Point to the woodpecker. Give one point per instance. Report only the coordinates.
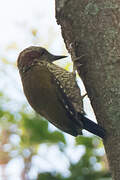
(53, 92)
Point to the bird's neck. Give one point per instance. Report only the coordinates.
(27, 66)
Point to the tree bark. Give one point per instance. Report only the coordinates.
(91, 30)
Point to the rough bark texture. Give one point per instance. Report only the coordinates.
(91, 29)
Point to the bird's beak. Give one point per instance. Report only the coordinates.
(59, 57)
(54, 58)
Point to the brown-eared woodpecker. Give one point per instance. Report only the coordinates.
(53, 92)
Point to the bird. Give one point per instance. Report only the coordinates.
(53, 92)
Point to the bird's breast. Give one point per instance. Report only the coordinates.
(41, 93)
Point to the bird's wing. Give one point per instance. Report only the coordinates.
(69, 88)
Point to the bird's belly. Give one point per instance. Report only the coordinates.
(41, 94)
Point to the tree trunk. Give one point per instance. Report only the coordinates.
(91, 31)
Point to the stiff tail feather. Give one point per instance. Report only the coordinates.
(92, 127)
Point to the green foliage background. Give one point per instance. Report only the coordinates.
(33, 131)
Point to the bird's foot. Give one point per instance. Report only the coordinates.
(84, 96)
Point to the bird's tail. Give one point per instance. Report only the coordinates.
(92, 127)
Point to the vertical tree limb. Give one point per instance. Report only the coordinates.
(91, 29)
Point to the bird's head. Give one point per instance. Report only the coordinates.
(29, 55)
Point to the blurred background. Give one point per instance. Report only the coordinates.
(30, 147)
